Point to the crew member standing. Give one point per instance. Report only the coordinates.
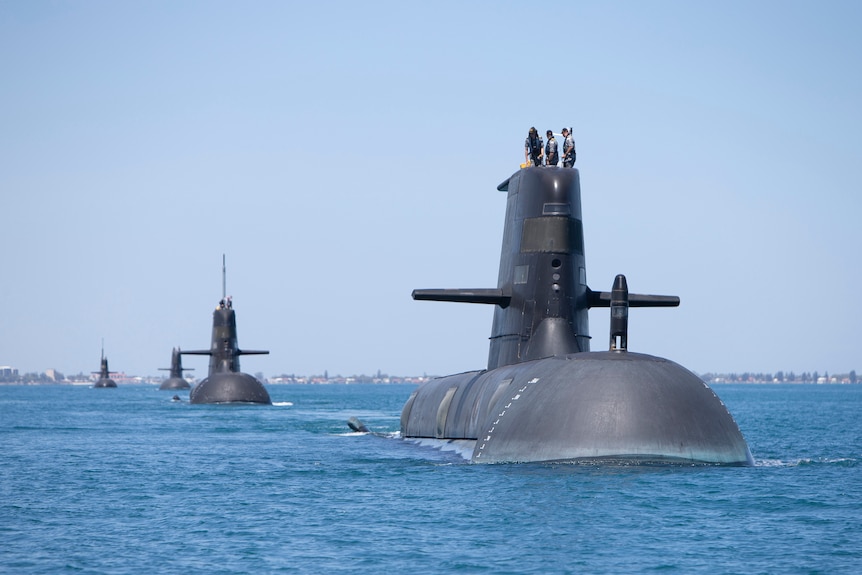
(552, 157)
(569, 153)
(533, 148)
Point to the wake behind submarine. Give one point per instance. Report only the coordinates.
(225, 383)
(544, 395)
(175, 379)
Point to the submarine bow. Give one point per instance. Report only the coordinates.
(544, 395)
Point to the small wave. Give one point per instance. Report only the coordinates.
(773, 463)
(386, 434)
(837, 461)
(283, 403)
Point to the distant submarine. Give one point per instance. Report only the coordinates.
(545, 396)
(104, 375)
(225, 383)
(176, 379)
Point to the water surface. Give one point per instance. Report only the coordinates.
(126, 481)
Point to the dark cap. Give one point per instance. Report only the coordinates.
(564, 130)
(549, 133)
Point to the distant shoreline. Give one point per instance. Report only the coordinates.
(409, 380)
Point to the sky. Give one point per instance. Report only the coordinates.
(342, 154)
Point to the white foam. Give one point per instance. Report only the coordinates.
(848, 461)
(463, 447)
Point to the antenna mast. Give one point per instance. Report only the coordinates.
(223, 278)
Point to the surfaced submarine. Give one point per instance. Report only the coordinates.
(104, 375)
(175, 379)
(225, 383)
(544, 395)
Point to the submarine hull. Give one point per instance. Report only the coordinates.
(230, 387)
(104, 382)
(591, 406)
(174, 383)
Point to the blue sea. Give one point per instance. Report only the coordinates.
(122, 481)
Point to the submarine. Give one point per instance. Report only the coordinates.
(104, 375)
(545, 396)
(175, 379)
(225, 383)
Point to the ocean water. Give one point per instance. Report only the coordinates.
(125, 481)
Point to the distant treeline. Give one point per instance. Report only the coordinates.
(55, 377)
(747, 377)
(780, 377)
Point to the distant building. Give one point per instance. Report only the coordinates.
(6, 371)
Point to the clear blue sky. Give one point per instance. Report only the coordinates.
(344, 153)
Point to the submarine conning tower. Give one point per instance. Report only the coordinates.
(224, 356)
(542, 299)
(542, 269)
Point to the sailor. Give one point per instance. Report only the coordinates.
(552, 157)
(569, 154)
(533, 148)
